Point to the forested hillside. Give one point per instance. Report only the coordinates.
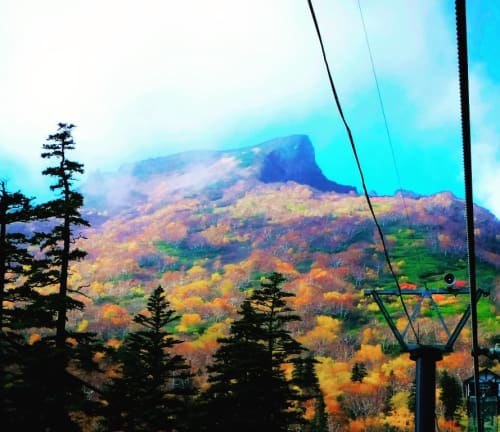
(209, 228)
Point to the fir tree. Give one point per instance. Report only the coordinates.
(154, 384)
(248, 390)
(451, 394)
(412, 397)
(15, 208)
(390, 391)
(358, 372)
(304, 377)
(56, 390)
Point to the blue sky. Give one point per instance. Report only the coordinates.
(150, 78)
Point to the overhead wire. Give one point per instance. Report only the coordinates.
(461, 32)
(386, 123)
(360, 170)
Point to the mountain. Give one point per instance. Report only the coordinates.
(206, 226)
(280, 160)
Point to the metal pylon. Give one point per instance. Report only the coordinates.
(424, 355)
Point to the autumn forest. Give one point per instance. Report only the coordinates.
(226, 291)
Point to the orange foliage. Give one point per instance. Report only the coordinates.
(175, 231)
(220, 306)
(285, 268)
(370, 334)
(449, 425)
(217, 234)
(99, 355)
(115, 314)
(360, 388)
(402, 367)
(35, 337)
(113, 343)
(369, 354)
(407, 285)
(303, 295)
(72, 341)
(342, 301)
(332, 376)
(456, 360)
(364, 424)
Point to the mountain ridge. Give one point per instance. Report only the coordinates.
(279, 160)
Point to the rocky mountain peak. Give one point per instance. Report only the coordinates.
(293, 159)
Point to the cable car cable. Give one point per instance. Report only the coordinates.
(355, 153)
(388, 134)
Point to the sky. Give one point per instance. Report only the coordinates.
(150, 78)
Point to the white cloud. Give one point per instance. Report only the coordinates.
(153, 77)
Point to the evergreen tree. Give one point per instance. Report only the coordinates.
(390, 391)
(304, 377)
(154, 384)
(64, 213)
(358, 372)
(26, 306)
(52, 391)
(14, 209)
(451, 394)
(412, 397)
(249, 390)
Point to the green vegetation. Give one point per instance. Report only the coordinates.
(187, 255)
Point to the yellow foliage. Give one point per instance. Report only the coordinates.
(196, 271)
(332, 376)
(401, 323)
(401, 418)
(181, 304)
(401, 367)
(326, 331)
(82, 326)
(369, 353)
(208, 340)
(374, 378)
(199, 287)
(226, 286)
(189, 320)
(332, 295)
(96, 288)
(215, 277)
